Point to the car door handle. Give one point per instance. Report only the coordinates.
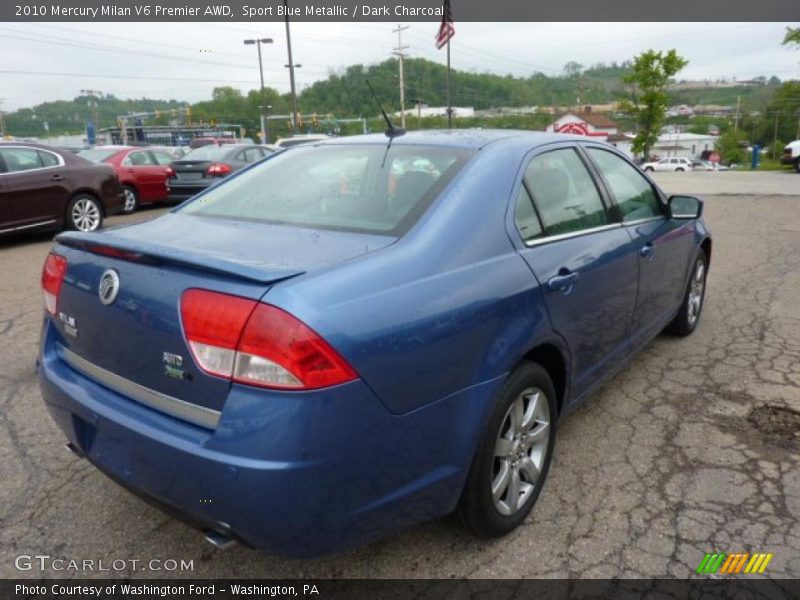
(647, 251)
(57, 178)
(562, 283)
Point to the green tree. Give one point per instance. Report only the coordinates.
(729, 147)
(792, 35)
(647, 98)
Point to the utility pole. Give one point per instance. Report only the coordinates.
(262, 104)
(736, 119)
(93, 95)
(775, 138)
(291, 67)
(399, 51)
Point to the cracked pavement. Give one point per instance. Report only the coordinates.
(664, 464)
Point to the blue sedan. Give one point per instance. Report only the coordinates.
(366, 333)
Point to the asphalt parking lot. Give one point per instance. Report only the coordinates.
(693, 448)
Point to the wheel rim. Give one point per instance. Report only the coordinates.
(85, 215)
(696, 288)
(130, 201)
(520, 450)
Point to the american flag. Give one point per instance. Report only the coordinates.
(446, 30)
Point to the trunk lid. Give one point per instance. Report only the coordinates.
(139, 335)
(190, 170)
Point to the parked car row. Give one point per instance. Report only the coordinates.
(42, 187)
(151, 175)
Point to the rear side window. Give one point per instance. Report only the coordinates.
(140, 158)
(369, 188)
(633, 193)
(162, 158)
(252, 155)
(565, 196)
(48, 159)
(525, 217)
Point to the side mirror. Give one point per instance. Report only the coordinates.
(685, 207)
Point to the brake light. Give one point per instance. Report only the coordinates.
(258, 344)
(170, 172)
(53, 272)
(218, 170)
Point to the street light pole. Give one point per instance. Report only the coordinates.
(258, 43)
(291, 67)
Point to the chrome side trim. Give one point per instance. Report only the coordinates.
(645, 220)
(198, 415)
(21, 227)
(572, 234)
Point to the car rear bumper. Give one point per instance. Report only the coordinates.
(787, 159)
(181, 190)
(298, 474)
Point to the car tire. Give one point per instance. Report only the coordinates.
(84, 213)
(131, 202)
(649, 169)
(688, 317)
(797, 165)
(679, 169)
(499, 493)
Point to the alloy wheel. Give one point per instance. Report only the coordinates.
(85, 215)
(520, 450)
(696, 288)
(130, 201)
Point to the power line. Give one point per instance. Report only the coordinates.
(58, 41)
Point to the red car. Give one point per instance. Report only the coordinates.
(143, 172)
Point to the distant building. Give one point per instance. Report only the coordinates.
(683, 145)
(594, 125)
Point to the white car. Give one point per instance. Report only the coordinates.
(303, 138)
(669, 164)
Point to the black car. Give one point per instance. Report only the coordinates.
(207, 165)
(42, 187)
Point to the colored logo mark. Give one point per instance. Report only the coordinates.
(732, 564)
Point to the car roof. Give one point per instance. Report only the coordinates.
(459, 138)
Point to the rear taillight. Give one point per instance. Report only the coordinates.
(170, 172)
(55, 267)
(218, 170)
(258, 344)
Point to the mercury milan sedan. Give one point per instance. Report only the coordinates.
(362, 334)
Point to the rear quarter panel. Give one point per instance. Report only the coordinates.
(448, 306)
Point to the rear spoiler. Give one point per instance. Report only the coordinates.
(156, 254)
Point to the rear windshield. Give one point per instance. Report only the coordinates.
(207, 153)
(350, 188)
(97, 155)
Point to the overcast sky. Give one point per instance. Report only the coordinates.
(185, 61)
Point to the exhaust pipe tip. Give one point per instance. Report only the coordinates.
(218, 540)
(73, 449)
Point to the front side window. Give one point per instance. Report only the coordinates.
(365, 188)
(635, 196)
(564, 194)
(20, 159)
